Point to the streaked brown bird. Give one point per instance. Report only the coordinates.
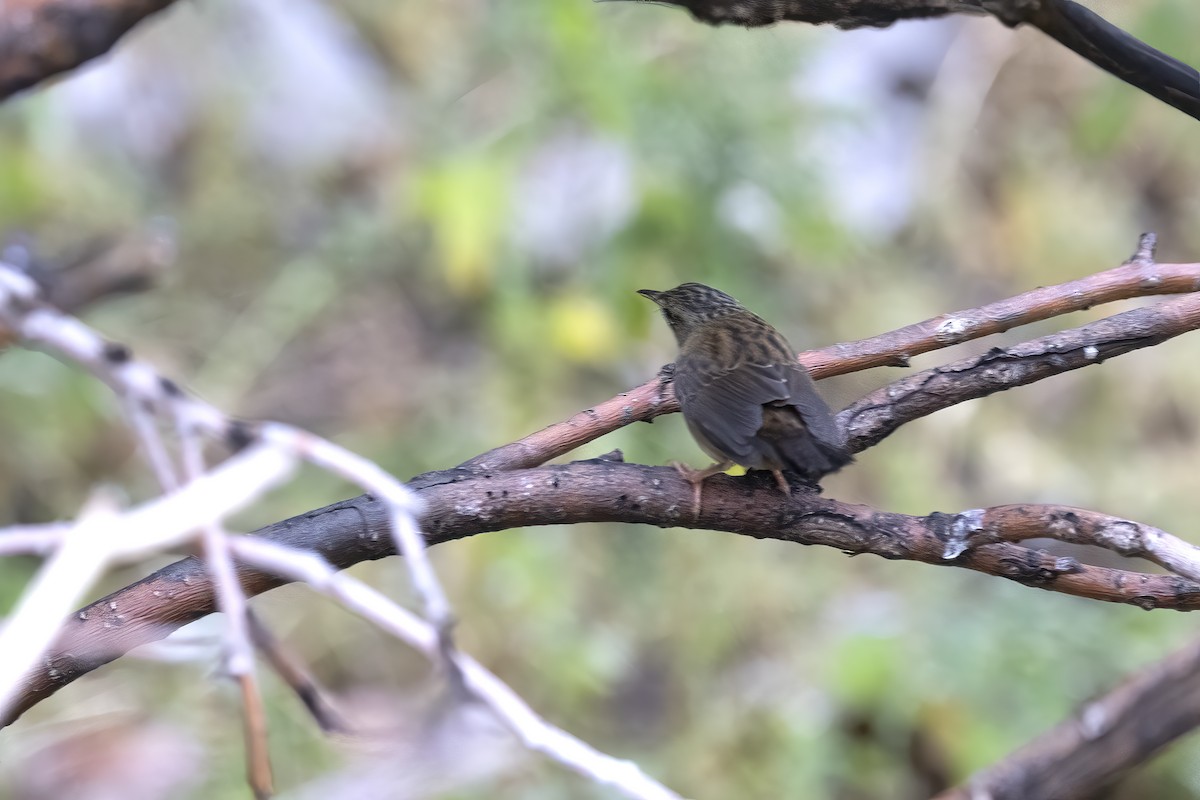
(744, 395)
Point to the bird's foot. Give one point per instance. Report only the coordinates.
(804, 482)
(697, 477)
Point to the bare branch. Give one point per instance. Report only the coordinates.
(1017, 523)
(1104, 738)
(532, 730)
(874, 417)
(146, 396)
(1034, 360)
(42, 38)
(86, 550)
(1065, 21)
(1140, 276)
(297, 677)
(461, 503)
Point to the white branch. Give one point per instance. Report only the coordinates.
(82, 552)
(87, 549)
(515, 713)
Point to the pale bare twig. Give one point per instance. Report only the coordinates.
(146, 394)
(532, 730)
(34, 540)
(86, 549)
(239, 651)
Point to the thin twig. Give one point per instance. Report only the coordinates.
(297, 677)
(254, 723)
(532, 730)
(147, 393)
(239, 651)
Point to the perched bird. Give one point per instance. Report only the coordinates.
(744, 395)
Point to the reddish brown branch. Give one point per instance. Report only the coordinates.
(874, 417)
(42, 38)
(877, 415)
(463, 503)
(1103, 739)
(1140, 276)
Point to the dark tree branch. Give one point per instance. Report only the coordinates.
(1103, 739)
(1118, 53)
(42, 38)
(876, 416)
(462, 503)
(1067, 22)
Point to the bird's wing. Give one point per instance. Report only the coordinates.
(817, 416)
(726, 405)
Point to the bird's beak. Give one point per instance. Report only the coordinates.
(653, 295)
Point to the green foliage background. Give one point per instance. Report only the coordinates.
(355, 256)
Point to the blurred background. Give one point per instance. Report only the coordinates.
(417, 228)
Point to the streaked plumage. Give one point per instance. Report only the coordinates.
(744, 395)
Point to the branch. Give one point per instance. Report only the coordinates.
(473, 679)
(477, 498)
(1118, 53)
(874, 417)
(461, 503)
(80, 554)
(1139, 277)
(1065, 21)
(1103, 739)
(42, 38)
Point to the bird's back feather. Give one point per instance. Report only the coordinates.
(747, 399)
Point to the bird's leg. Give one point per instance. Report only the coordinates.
(782, 482)
(697, 477)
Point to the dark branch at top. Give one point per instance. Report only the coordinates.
(1067, 22)
(43, 38)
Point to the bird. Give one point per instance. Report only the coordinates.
(744, 394)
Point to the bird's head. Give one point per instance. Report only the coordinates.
(690, 305)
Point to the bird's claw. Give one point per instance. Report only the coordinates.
(697, 477)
